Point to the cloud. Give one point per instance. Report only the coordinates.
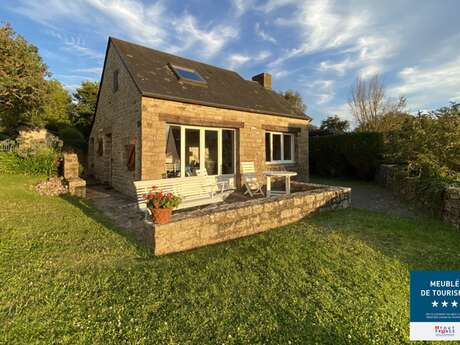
(367, 54)
(425, 85)
(263, 35)
(236, 60)
(92, 70)
(241, 6)
(341, 110)
(278, 73)
(339, 67)
(144, 22)
(77, 46)
(211, 40)
(322, 27)
(322, 91)
(345, 33)
(369, 71)
(151, 24)
(271, 5)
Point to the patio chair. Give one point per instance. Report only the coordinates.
(221, 184)
(248, 174)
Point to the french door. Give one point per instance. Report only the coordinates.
(191, 151)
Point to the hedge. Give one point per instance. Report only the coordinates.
(346, 155)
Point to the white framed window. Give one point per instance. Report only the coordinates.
(279, 147)
(192, 150)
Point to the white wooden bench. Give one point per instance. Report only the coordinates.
(193, 190)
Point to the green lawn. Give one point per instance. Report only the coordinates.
(68, 276)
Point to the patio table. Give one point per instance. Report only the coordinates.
(286, 174)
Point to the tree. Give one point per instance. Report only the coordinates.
(429, 143)
(334, 125)
(82, 114)
(368, 105)
(22, 80)
(56, 108)
(295, 100)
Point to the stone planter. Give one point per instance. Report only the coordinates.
(161, 215)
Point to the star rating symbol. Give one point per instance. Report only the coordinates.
(435, 304)
(454, 304)
(444, 304)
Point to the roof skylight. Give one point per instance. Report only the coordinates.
(187, 74)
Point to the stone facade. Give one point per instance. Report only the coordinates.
(194, 229)
(116, 126)
(250, 134)
(125, 118)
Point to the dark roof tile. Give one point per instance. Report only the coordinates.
(223, 88)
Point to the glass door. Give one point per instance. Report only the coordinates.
(211, 152)
(192, 151)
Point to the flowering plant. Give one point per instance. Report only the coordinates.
(159, 199)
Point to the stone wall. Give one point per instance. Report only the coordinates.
(71, 172)
(194, 229)
(116, 126)
(394, 178)
(71, 165)
(250, 128)
(451, 210)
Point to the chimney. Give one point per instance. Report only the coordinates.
(264, 79)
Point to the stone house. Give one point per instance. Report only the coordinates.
(163, 116)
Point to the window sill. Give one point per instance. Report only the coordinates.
(279, 162)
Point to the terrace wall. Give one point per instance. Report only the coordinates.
(203, 227)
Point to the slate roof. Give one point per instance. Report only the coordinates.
(151, 71)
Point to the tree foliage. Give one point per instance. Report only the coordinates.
(334, 125)
(429, 144)
(371, 109)
(57, 105)
(295, 100)
(84, 109)
(22, 80)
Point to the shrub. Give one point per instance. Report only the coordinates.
(33, 157)
(72, 137)
(429, 144)
(44, 163)
(352, 154)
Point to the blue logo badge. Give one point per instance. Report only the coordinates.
(435, 305)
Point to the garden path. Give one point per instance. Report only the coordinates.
(370, 196)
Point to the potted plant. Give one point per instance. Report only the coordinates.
(161, 205)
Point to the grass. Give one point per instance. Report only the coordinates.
(69, 277)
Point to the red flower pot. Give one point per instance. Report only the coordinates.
(161, 215)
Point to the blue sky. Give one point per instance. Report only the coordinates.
(316, 47)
